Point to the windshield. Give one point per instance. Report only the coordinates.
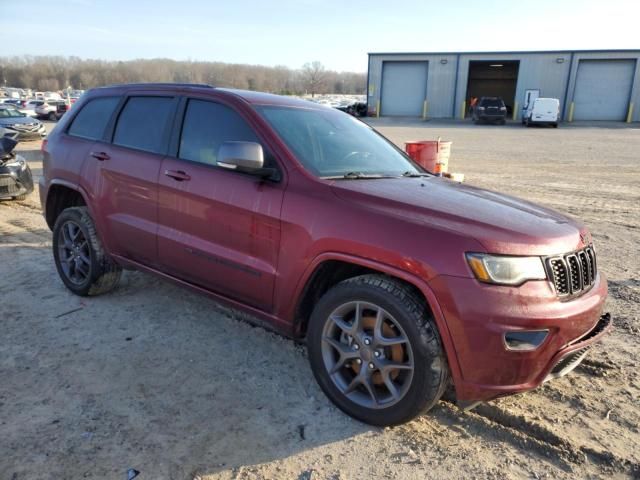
(330, 143)
(10, 113)
(491, 102)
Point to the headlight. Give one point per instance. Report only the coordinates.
(504, 270)
(18, 162)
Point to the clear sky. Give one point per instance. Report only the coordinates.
(292, 32)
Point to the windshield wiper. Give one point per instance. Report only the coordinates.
(415, 174)
(358, 176)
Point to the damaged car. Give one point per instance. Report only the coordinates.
(20, 126)
(16, 180)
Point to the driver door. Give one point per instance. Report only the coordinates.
(218, 229)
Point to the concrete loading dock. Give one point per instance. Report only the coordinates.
(591, 85)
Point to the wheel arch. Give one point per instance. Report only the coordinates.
(60, 195)
(331, 268)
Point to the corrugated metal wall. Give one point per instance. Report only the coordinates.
(553, 73)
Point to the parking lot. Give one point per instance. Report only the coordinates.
(156, 378)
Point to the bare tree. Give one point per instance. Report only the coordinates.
(314, 77)
(53, 73)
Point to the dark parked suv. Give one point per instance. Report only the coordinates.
(490, 109)
(401, 283)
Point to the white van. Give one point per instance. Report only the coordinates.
(543, 111)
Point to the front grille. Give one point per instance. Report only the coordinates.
(8, 186)
(26, 127)
(9, 189)
(573, 273)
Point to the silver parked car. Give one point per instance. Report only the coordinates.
(19, 126)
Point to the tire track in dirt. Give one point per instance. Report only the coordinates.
(547, 442)
(23, 224)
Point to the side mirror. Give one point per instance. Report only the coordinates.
(245, 157)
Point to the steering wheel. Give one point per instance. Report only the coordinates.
(348, 156)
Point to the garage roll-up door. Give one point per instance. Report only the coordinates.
(404, 88)
(603, 88)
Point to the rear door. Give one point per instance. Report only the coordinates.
(126, 175)
(218, 229)
(545, 110)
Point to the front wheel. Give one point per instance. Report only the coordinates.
(52, 116)
(79, 255)
(375, 350)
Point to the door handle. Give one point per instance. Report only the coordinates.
(178, 175)
(102, 156)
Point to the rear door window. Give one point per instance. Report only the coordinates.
(206, 126)
(143, 123)
(92, 120)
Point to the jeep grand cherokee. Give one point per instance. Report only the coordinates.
(400, 282)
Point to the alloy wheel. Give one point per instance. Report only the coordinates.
(74, 253)
(367, 354)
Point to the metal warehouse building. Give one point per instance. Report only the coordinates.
(591, 85)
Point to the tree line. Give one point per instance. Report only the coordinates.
(53, 73)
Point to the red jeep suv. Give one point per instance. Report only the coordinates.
(400, 282)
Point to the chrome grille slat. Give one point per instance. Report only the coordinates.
(573, 273)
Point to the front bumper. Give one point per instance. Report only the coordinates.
(14, 182)
(28, 133)
(478, 316)
(487, 117)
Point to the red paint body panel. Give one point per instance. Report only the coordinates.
(478, 315)
(220, 230)
(255, 244)
(125, 188)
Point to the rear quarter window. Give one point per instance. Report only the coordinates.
(92, 120)
(142, 124)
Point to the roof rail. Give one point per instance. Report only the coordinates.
(159, 84)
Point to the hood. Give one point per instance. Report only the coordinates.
(501, 223)
(18, 121)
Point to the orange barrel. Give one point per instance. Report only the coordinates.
(433, 155)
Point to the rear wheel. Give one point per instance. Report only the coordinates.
(79, 255)
(375, 351)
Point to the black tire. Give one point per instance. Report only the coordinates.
(503, 122)
(103, 274)
(52, 116)
(20, 198)
(555, 125)
(430, 374)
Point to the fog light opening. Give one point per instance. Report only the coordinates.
(524, 340)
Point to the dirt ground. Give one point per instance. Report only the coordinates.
(162, 380)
